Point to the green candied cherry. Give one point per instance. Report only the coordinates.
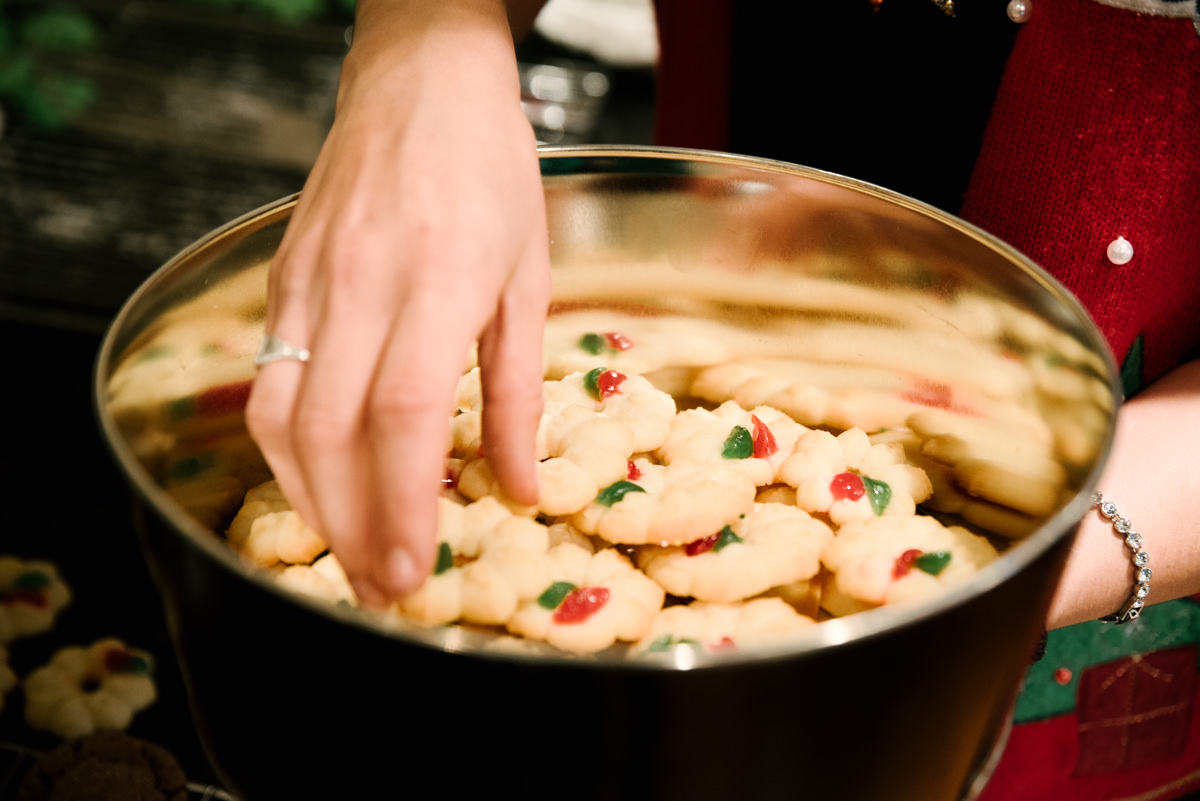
(744, 444)
(738, 445)
(616, 491)
(933, 562)
(444, 560)
(668, 641)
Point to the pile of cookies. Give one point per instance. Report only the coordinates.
(691, 495)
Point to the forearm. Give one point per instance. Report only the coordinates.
(1152, 476)
(381, 26)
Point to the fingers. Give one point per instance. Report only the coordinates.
(271, 406)
(328, 429)
(357, 437)
(510, 355)
(408, 417)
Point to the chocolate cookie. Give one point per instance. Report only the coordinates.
(105, 766)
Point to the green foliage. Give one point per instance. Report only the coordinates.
(32, 85)
(62, 29)
(37, 88)
(291, 10)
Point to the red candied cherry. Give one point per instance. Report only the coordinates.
(580, 604)
(725, 645)
(122, 660)
(847, 487)
(601, 383)
(618, 341)
(713, 542)
(764, 440)
(904, 563)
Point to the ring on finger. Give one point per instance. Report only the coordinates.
(274, 349)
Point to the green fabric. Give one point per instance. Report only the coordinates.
(1079, 647)
(1131, 368)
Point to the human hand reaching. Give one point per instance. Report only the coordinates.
(421, 230)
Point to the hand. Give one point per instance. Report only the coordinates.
(421, 229)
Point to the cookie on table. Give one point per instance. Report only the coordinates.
(719, 628)
(32, 593)
(83, 689)
(754, 442)
(104, 766)
(884, 560)
(590, 602)
(667, 505)
(771, 546)
(847, 477)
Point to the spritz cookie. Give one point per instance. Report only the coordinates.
(884, 560)
(31, 596)
(590, 602)
(772, 545)
(754, 443)
(848, 478)
(667, 505)
(722, 628)
(87, 688)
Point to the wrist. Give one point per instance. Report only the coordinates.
(446, 51)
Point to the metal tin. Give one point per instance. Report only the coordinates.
(298, 698)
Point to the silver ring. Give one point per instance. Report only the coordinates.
(273, 349)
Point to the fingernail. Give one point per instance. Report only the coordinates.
(401, 571)
(368, 594)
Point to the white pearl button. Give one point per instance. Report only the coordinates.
(1019, 10)
(1120, 251)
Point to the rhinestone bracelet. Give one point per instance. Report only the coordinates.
(1141, 587)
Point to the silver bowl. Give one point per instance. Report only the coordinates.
(874, 307)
